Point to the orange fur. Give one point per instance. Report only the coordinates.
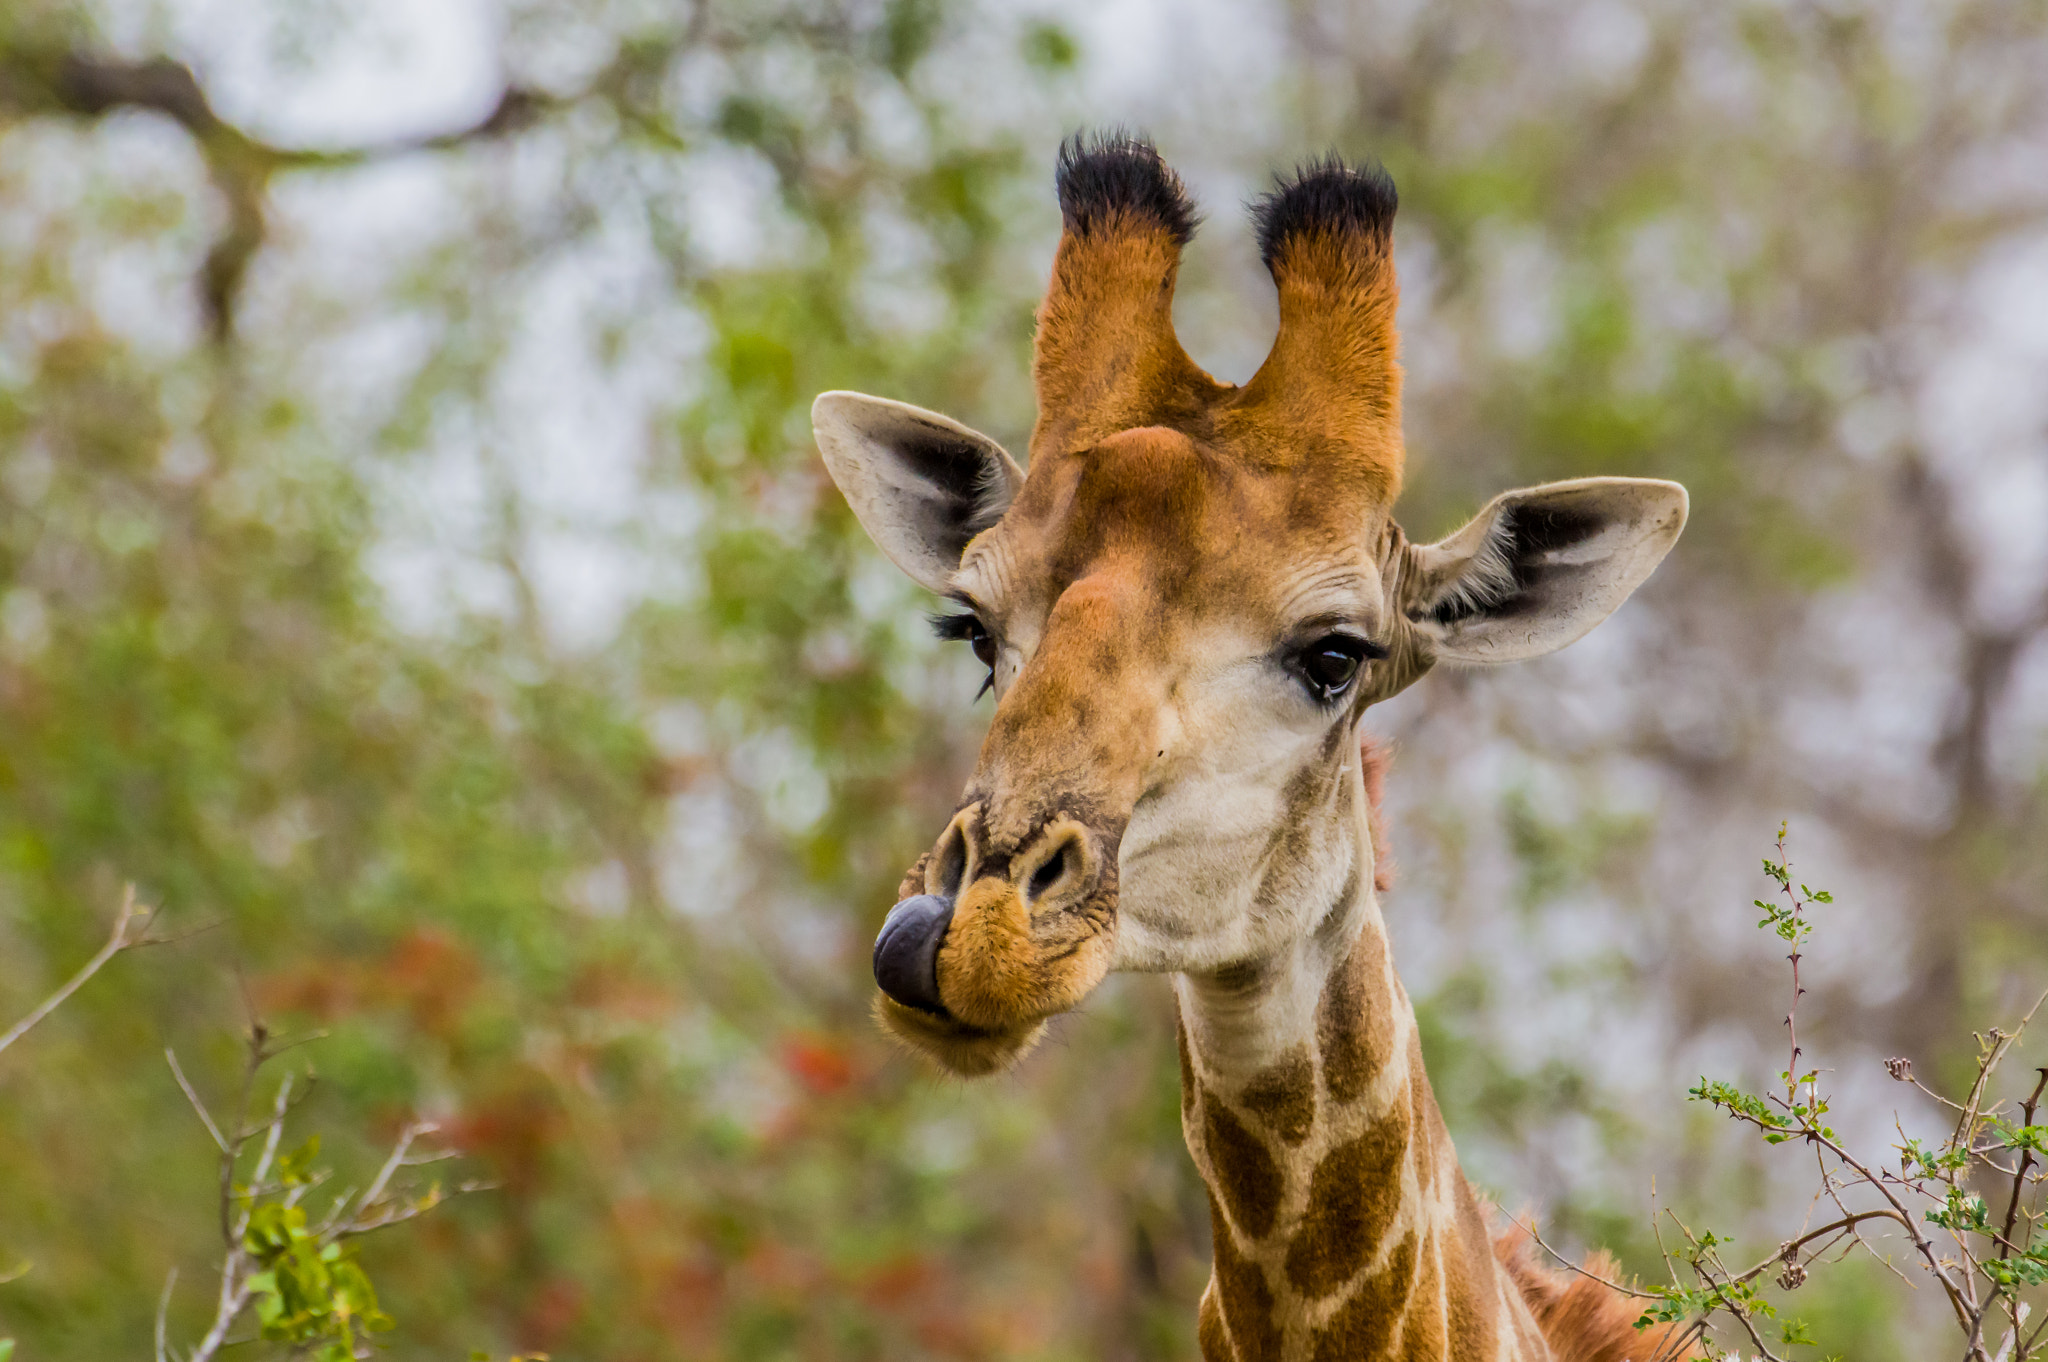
(1330, 391)
(1106, 358)
(1375, 758)
(1583, 1320)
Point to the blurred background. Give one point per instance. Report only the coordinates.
(415, 569)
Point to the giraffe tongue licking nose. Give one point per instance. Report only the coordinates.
(907, 952)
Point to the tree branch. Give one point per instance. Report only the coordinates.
(77, 85)
(120, 939)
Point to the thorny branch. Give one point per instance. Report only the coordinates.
(1982, 1266)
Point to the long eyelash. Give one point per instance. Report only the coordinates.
(962, 628)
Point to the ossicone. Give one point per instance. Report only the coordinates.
(1331, 387)
(1114, 180)
(1106, 357)
(1326, 198)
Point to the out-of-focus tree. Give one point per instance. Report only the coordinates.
(413, 560)
(596, 905)
(1782, 253)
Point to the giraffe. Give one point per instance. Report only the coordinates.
(1184, 608)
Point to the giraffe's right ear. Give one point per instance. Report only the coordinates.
(921, 484)
(1538, 568)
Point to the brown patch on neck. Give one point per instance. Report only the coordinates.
(1425, 1330)
(1353, 1197)
(1241, 1168)
(1245, 1295)
(1283, 1096)
(1354, 1019)
(1364, 1327)
(1212, 1335)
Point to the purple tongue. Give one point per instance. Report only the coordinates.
(907, 952)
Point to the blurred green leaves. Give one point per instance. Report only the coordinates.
(310, 1295)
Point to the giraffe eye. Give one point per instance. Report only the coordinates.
(1331, 663)
(970, 628)
(983, 644)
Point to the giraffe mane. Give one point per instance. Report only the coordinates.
(1583, 1319)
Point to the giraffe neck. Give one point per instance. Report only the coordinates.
(1343, 1227)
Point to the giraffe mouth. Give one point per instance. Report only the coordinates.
(970, 981)
(957, 1046)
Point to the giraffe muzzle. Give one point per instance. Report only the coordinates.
(907, 952)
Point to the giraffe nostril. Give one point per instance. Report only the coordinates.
(907, 952)
(1067, 861)
(1049, 874)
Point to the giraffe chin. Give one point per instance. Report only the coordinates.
(953, 1045)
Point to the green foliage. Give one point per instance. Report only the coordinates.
(1776, 1125)
(2027, 1269)
(313, 1296)
(1986, 1261)
(1049, 46)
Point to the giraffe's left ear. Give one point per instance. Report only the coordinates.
(921, 484)
(1538, 568)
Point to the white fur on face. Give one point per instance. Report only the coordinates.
(1215, 826)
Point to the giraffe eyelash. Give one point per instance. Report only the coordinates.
(969, 629)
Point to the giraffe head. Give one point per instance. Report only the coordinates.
(1185, 606)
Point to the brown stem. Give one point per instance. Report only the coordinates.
(2019, 1178)
(1791, 1013)
(1530, 1226)
(1792, 1246)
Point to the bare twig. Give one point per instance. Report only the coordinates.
(163, 1309)
(413, 1130)
(242, 1268)
(2019, 1178)
(131, 926)
(82, 85)
(1790, 1247)
(1529, 1227)
(206, 1117)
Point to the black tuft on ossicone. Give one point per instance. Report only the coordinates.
(1116, 171)
(1325, 196)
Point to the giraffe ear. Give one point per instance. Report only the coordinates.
(1538, 568)
(921, 484)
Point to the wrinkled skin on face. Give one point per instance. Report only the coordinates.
(1154, 735)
